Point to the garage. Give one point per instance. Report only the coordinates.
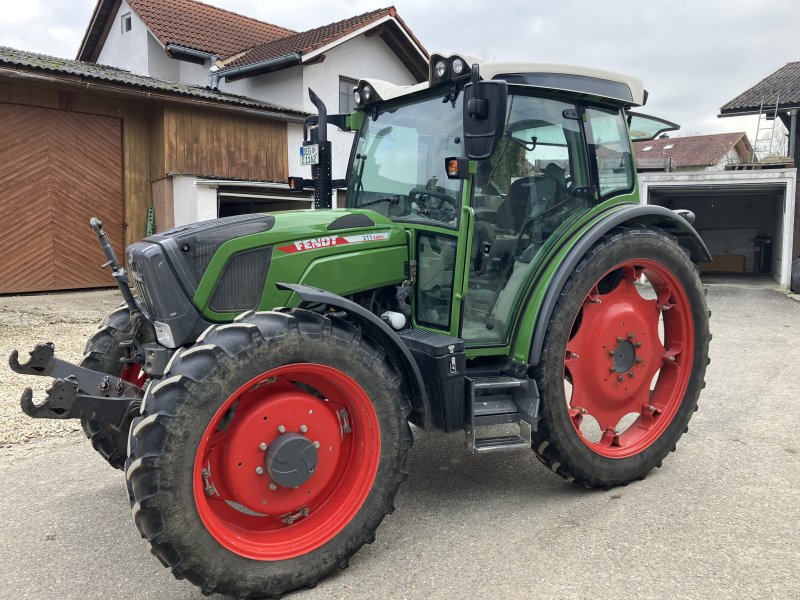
(745, 217)
(57, 170)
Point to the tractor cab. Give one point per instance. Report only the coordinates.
(484, 196)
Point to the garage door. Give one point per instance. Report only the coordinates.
(57, 170)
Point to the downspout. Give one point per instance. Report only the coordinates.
(793, 135)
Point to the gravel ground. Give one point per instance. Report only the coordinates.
(67, 319)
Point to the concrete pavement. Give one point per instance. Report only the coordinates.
(717, 521)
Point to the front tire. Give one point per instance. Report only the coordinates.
(103, 353)
(269, 453)
(623, 363)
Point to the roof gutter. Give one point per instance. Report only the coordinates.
(259, 66)
(177, 49)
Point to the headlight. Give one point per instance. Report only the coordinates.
(458, 66)
(164, 334)
(441, 69)
(367, 93)
(357, 97)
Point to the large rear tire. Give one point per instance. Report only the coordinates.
(103, 353)
(269, 453)
(624, 360)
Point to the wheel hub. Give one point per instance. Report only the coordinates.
(291, 460)
(623, 356)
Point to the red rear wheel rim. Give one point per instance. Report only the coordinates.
(629, 359)
(231, 483)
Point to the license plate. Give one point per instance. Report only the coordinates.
(309, 155)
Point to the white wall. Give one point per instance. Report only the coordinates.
(160, 65)
(193, 73)
(191, 202)
(126, 50)
(284, 88)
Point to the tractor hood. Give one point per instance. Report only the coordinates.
(218, 269)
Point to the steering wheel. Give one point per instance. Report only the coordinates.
(440, 212)
(413, 193)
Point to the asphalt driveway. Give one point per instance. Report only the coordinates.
(718, 520)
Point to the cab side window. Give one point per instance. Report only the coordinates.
(610, 149)
(534, 184)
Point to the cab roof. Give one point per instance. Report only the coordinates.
(617, 87)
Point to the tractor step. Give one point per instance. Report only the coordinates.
(498, 400)
(504, 442)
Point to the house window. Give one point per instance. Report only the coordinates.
(646, 148)
(669, 146)
(125, 22)
(346, 102)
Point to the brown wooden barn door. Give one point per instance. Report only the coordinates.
(57, 169)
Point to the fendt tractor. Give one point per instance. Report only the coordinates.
(493, 272)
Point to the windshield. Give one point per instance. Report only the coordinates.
(399, 163)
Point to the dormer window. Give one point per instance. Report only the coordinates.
(669, 146)
(125, 23)
(646, 148)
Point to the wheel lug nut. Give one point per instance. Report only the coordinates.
(630, 373)
(638, 345)
(262, 446)
(273, 486)
(596, 301)
(611, 370)
(316, 444)
(259, 470)
(611, 353)
(303, 428)
(630, 336)
(620, 378)
(619, 339)
(281, 429)
(638, 360)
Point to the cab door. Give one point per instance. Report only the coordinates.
(534, 185)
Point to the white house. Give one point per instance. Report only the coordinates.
(194, 43)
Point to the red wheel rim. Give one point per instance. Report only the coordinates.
(133, 373)
(625, 375)
(239, 502)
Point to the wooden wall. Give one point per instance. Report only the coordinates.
(161, 139)
(218, 144)
(135, 138)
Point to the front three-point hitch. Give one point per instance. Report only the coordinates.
(77, 392)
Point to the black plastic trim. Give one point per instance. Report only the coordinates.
(351, 222)
(644, 214)
(384, 336)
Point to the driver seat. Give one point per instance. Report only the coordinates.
(530, 195)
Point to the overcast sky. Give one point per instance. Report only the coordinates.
(693, 55)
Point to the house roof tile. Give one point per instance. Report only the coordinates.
(202, 27)
(784, 82)
(308, 41)
(690, 151)
(11, 58)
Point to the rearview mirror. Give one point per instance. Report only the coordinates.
(484, 115)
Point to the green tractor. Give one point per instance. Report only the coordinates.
(493, 272)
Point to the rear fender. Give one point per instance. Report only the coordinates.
(647, 215)
(383, 335)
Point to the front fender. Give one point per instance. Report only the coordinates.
(648, 215)
(383, 335)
